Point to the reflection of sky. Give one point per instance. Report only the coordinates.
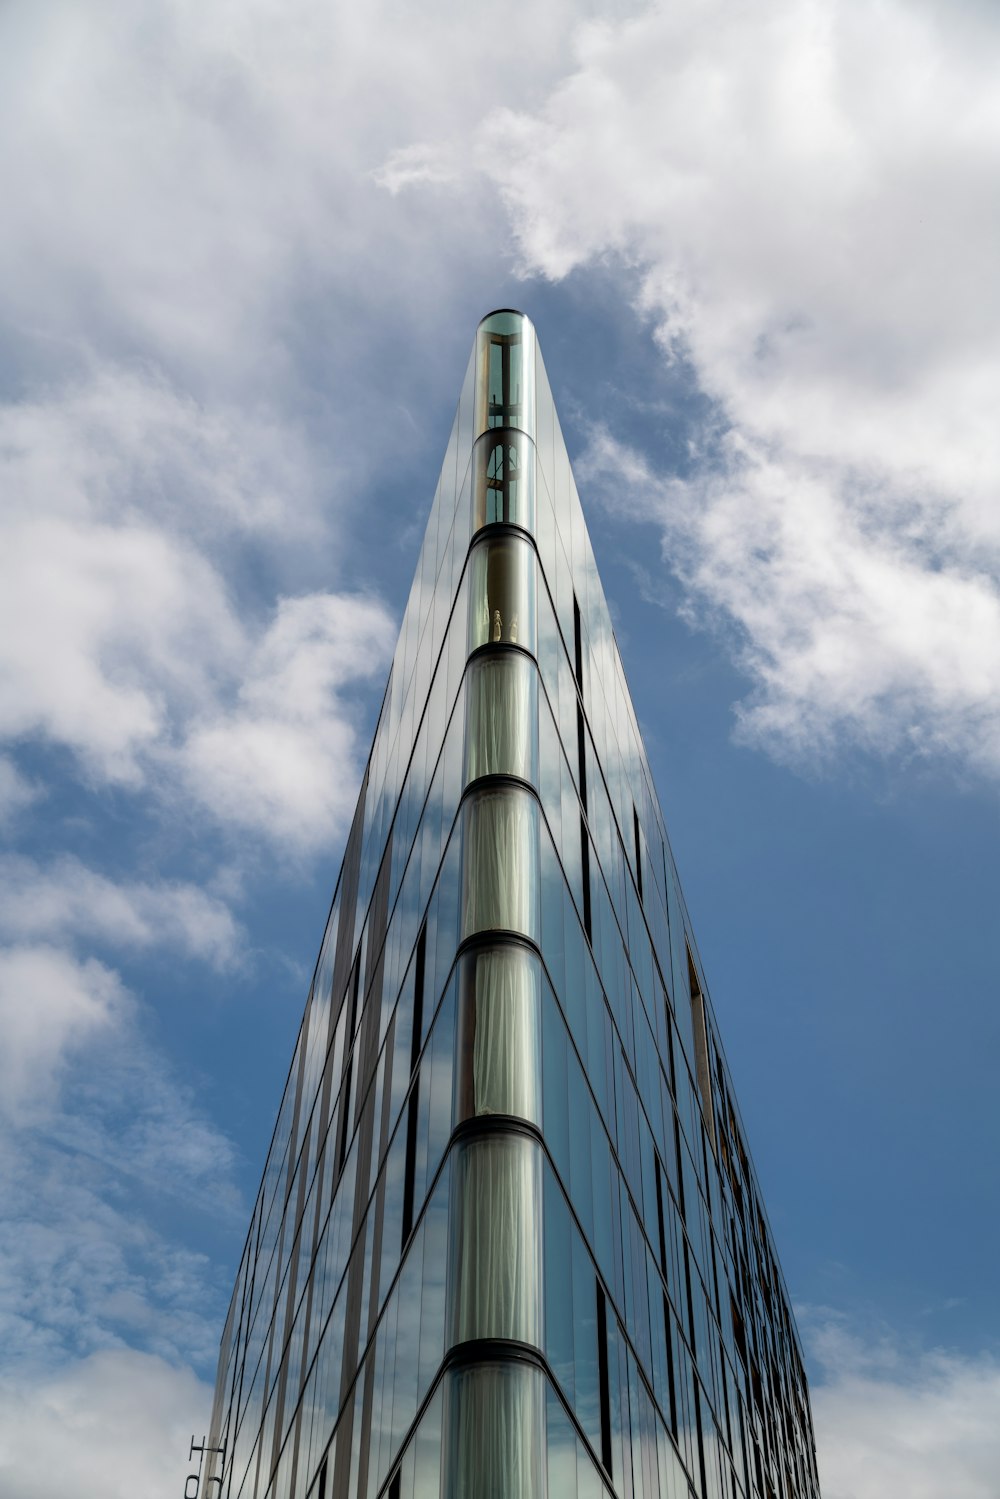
(232, 356)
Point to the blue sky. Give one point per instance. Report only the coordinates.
(245, 249)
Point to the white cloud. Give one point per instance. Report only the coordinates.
(74, 1061)
(217, 183)
(119, 640)
(846, 629)
(16, 791)
(100, 625)
(201, 280)
(286, 757)
(893, 1421)
(49, 1004)
(83, 1267)
(68, 900)
(116, 619)
(122, 441)
(805, 197)
(111, 1426)
(104, 1153)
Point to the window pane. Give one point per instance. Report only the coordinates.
(501, 736)
(498, 1042)
(494, 1264)
(502, 593)
(504, 480)
(500, 863)
(505, 373)
(495, 1425)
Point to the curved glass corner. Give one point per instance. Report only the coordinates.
(498, 1063)
(505, 373)
(494, 1444)
(503, 484)
(501, 716)
(495, 1240)
(500, 874)
(502, 591)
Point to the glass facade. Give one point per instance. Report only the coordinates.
(508, 1241)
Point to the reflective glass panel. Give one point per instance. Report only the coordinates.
(495, 1432)
(503, 490)
(494, 1261)
(501, 736)
(502, 593)
(499, 1060)
(500, 862)
(505, 373)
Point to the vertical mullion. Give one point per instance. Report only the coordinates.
(413, 1108)
(602, 1367)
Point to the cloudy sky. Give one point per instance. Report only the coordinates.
(244, 248)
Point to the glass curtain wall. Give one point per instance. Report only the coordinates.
(509, 1241)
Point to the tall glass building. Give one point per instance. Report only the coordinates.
(508, 1241)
